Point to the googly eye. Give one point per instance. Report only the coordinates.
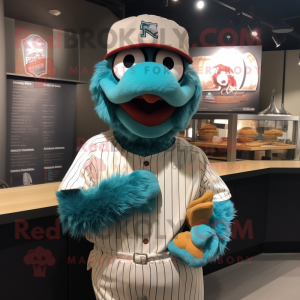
(172, 61)
(125, 60)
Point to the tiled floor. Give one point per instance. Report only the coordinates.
(266, 277)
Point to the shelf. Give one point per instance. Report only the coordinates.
(41, 79)
(209, 145)
(242, 147)
(214, 158)
(243, 116)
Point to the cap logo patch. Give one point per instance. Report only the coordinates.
(150, 28)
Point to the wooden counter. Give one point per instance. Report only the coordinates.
(224, 168)
(30, 201)
(35, 200)
(243, 147)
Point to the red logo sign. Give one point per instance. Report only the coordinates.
(34, 55)
(39, 258)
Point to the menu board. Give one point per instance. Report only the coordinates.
(40, 130)
(230, 77)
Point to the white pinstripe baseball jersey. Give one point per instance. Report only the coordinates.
(184, 174)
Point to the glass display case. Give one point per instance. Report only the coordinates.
(233, 137)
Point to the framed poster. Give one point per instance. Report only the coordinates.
(40, 130)
(230, 77)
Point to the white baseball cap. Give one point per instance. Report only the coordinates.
(148, 31)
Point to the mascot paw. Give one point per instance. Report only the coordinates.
(183, 241)
(200, 211)
(183, 254)
(196, 248)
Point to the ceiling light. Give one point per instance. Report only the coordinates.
(254, 29)
(54, 12)
(278, 39)
(237, 19)
(250, 31)
(282, 28)
(200, 4)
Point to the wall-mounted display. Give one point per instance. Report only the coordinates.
(40, 130)
(230, 78)
(34, 47)
(38, 51)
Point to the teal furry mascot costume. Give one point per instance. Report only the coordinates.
(150, 202)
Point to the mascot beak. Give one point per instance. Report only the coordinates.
(151, 98)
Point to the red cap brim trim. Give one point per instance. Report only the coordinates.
(149, 45)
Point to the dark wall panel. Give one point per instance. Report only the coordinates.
(79, 279)
(284, 208)
(250, 199)
(33, 260)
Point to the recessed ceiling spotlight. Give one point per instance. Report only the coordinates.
(282, 28)
(200, 4)
(54, 12)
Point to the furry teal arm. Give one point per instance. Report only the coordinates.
(113, 200)
(213, 238)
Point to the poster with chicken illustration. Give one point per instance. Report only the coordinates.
(230, 78)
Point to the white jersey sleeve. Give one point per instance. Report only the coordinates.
(211, 181)
(80, 174)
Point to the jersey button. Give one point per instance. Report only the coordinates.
(146, 163)
(145, 241)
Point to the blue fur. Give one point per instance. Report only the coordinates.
(115, 199)
(148, 78)
(212, 238)
(127, 139)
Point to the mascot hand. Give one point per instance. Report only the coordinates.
(115, 199)
(196, 248)
(205, 243)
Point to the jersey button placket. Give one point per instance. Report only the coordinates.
(146, 164)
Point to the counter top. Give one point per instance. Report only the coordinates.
(30, 201)
(224, 168)
(243, 147)
(35, 200)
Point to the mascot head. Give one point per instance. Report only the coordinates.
(146, 89)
